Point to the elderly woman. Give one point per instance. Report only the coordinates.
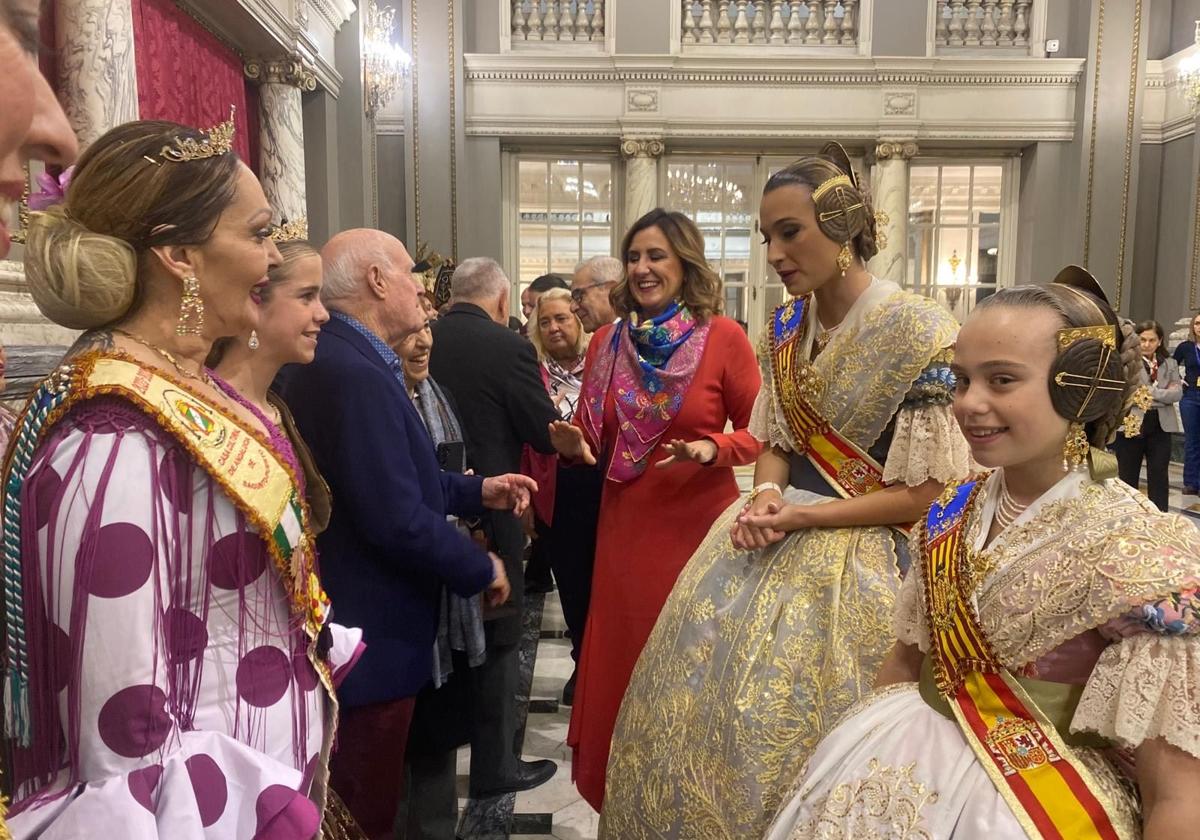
(565, 521)
(172, 669)
(659, 390)
(442, 715)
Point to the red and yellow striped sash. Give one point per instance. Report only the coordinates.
(1050, 792)
(847, 468)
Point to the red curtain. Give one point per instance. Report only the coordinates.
(185, 74)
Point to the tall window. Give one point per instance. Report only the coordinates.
(955, 232)
(721, 198)
(564, 214)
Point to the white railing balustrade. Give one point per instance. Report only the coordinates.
(557, 20)
(829, 23)
(982, 23)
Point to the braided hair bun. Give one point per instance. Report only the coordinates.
(843, 208)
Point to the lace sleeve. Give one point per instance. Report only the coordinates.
(766, 421)
(927, 444)
(908, 620)
(1144, 687)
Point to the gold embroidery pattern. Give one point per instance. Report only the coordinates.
(754, 658)
(1079, 563)
(886, 804)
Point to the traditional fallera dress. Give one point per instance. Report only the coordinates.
(669, 378)
(171, 663)
(757, 653)
(1050, 654)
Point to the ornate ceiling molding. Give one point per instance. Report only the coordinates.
(334, 12)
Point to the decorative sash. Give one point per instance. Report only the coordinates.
(848, 469)
(1052, 794)
(256, 481)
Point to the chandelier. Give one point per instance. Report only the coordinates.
(385, 64)
(1189, 73)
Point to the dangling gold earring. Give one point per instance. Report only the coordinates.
(253, 342)
(191, 308)
(1075, 447)
(844, 258)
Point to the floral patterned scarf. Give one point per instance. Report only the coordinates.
(649, 367)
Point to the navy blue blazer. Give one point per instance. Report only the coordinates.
(388, 549)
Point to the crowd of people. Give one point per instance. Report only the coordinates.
(266, 526)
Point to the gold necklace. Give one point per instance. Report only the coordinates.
(184, 372)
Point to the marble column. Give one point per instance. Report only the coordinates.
(889, 192)
(641, 175)
(281, 146)
(96, 70)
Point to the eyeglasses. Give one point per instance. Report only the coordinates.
(577, 294)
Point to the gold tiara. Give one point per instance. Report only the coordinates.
(291, 231)
(1106, 335)
(835, 181)
(217, 141)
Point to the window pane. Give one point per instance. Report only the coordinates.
(735, 298)
(532, 188)
(564, 249)
(955, 195)
(986, 242)
(985, 193)
(922, 194)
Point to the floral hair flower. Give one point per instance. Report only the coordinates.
(51, 190)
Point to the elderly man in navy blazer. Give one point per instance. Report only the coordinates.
(388, 550)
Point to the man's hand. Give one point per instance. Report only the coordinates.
(568, 440)
(499, 589)
(702, 451)
(508, 492)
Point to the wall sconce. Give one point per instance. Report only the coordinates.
(1189, 73)
(385, 64)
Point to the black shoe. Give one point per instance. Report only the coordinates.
(569, 691)
(530, 774)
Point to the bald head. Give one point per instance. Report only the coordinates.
(368, 275)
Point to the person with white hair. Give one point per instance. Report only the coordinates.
(388, 550)
(591, 284)
(494, 376)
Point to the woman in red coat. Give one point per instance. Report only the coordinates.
(660, 388)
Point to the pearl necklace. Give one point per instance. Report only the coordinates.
(1007, 510)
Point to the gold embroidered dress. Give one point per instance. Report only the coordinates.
(1091, 589)
(757, 653)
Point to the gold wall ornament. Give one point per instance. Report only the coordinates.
(292, 71)
(287, 231)
(385, 63)
(217, 141)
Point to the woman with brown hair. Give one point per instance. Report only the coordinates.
(169, 657)
(1146, 433)
(659, 388)
(781, 618)
(1049, 629)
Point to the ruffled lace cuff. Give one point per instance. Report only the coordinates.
(908, 619)
(927, 445)
(766, 424)
(1144, 687)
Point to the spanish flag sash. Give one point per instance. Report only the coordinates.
(1048, 789)
(847, 468)
(238, 459)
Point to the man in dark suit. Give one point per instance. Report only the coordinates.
(388, 549)
(493, 373)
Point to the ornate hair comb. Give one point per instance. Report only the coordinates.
(217, 141)
(1106, 334)
(291, 231)
(832, 183)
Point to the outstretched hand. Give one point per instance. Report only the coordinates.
(702, 451)
(569, 441)
(508, 492)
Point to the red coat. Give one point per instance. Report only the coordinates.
(649, 528)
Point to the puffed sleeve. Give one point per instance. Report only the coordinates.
(1147, 683)
(767, 423)
(927, 443)
(908, 618)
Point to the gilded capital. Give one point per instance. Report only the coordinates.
(642, 147)
(901, 150)
(281, 71)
